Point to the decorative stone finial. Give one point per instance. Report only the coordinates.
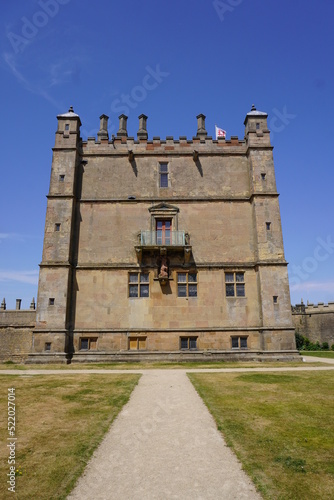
(3, 304)
(33, 304)
(142, 132)
(71, 110)
(18, 304)
(122, 132)
(253, 108)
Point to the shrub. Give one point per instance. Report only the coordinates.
(324, 346)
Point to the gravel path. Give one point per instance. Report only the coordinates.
(164, 445)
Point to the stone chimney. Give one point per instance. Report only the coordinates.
(201, 132)
(122, 132)
(103, 132)
(142, 132)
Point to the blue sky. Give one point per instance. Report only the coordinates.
(211, 57)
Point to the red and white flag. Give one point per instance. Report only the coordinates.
(220, 132)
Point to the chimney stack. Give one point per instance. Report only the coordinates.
(122, 132)
(103, 132)
(201, 132)
(142, 132)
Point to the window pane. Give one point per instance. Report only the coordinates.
(144, 290)
(133, 277)
(182, 290)
(167, 224)
(235, 342)
(240, 290)
(229, 290)
(240, 277)
(163, 167)
(229, 277)
(142, 343)
(192, 289)
(133, 291)
(243, 342)
(163, 180)
(192, 277)
(182, 277)
(193, 343)
(84, 343)
(184, 343)
(159, 224)
(144, 278)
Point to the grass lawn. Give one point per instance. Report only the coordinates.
(145, 365)
(280, 426)
(318, 354)
(59, 423)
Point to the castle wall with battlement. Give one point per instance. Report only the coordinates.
(315, 321)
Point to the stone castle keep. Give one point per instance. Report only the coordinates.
(159, 249)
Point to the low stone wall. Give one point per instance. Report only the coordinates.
(16, 334)
(315, 321)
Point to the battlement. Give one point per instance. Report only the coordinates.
(319, 308)
(68, 135)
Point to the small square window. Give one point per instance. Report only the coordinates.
(47, 346)
(243, 342)
(51, 301)
(57, 227)
(84, 343)
(235, 342)
(263, 176)
(61, 178)
(275, 299)
(268, 226)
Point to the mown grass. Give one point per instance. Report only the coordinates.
(280, 427)
(59, 423)
(318, 354)
(145, 365)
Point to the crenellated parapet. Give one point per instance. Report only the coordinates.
(319, 308)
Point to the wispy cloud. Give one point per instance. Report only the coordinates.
(30, 277)
(10, 60)
(314, 286)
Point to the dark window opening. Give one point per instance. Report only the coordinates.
(163, 175)
(268, 226)
(275, 299)
(51, 301)
(239, 342)
(62, 178)
(67, 127)
(48, 346)
(263, 176)
(88, 343)
(189, 343)
(57, 227)
(257, 126)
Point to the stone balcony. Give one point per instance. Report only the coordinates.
(162, 243)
